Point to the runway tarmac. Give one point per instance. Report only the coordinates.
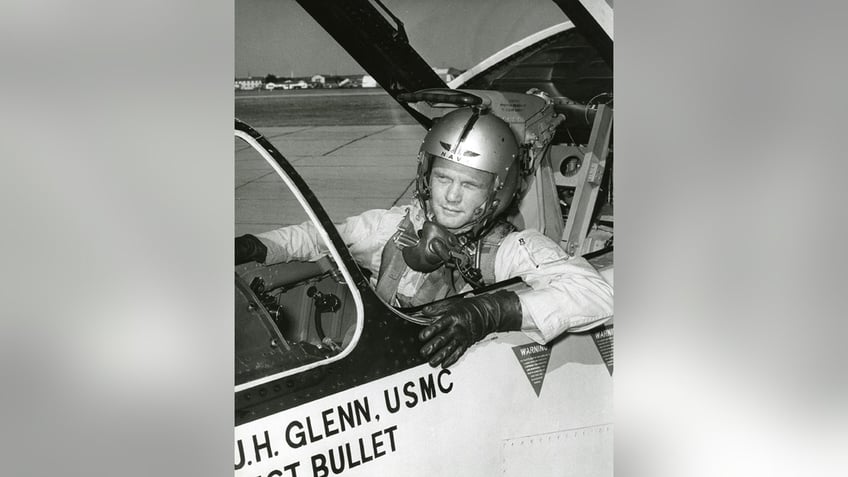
(350, 169)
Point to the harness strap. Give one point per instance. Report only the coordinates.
(441, 282)
(488, 248)
(437, 285)
(392, 265)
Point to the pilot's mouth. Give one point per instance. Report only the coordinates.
(451, 211)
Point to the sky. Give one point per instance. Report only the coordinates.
(278, 37)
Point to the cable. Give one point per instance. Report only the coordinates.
(589, 104)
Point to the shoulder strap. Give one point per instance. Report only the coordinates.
(438, 284)
(488, 248)
(392, 265)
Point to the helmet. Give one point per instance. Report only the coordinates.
(478, 139)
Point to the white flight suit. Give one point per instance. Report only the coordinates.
(564, 295)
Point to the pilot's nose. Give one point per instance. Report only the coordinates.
(454, 193)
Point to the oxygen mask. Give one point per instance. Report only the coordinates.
(434, 247)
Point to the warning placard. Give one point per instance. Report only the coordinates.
(534, 360)
(604, 341)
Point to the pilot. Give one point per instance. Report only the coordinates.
(454, 238)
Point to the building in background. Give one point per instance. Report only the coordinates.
(249, 83)
(368, 81)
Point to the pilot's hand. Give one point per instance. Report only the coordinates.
(432, 250)
(465, 321)
(250, 249)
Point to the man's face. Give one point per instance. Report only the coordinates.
(457, 192)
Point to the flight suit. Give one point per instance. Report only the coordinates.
(563, 294)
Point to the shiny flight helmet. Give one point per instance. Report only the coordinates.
(480, 140)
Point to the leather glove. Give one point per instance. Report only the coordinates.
(432, 250)
(465, 321)
(250, 249)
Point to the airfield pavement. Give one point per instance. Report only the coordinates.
(350, 169)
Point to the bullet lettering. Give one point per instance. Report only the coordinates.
(240, 462)
(333, 421)
(428, 388)
(442, 387)
(392, 407)
(409, 391)
(299, 437)
(328, 421)
(266, 444)
(376, 445)
(415, 392)
(319, 469)
(351, 455)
